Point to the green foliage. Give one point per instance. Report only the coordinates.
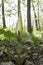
(19, 57)
(7, 34)
(35, 40)
(5, 1)
(25, 36)
(19, 48)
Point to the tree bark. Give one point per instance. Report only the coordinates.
(3, 15)
(29, 28)
(18, 8)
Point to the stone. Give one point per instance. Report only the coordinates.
(7, 63)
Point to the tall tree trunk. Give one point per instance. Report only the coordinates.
(29, 28)
(3, 16)
(38, 16)
(19, 8)
(36, 20)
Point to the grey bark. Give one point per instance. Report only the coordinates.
(29, 28)
(3, 15)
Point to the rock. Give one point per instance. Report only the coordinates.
(7, 63)
(28, 63)
(41, 61)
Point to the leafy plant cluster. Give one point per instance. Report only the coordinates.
(20, 47)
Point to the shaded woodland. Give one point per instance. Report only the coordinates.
(21, 44)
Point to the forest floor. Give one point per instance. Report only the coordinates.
(8, 37)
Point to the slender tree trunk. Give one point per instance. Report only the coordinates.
(38, 16)
(19, 8)
(3, 16)
(29, 28)
(36, 20)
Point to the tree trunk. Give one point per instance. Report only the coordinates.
(19, 8)
(36, 20)
(3, 16)
(38, 17)
(29, 28)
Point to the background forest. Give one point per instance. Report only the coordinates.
(21, 32)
